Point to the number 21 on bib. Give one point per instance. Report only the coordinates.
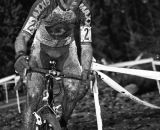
(86, 34)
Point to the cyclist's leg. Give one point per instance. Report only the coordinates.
(34, 90)
(35, 83)
(73, 91)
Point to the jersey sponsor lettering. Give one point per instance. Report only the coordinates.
(86, 34)
(40, 7)
(87, 14)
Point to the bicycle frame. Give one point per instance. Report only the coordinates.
(48, 104)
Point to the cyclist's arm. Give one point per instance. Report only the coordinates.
(85, 36)
(30, 25)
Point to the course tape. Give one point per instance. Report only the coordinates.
(141, 73)
(123, 91)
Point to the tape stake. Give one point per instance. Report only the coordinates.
(154, 68)
(17, 95)
(97, 105)
(18, 103)
(6, 92)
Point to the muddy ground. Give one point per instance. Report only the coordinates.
(118, 113)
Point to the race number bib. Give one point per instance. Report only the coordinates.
(30, 25)
(86, 34)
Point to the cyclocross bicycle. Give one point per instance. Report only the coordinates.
(48, 113)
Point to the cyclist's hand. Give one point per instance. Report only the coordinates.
(20, 64)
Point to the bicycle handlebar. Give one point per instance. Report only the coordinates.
(55, 73)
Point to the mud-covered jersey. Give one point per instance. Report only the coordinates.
(54, 23)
